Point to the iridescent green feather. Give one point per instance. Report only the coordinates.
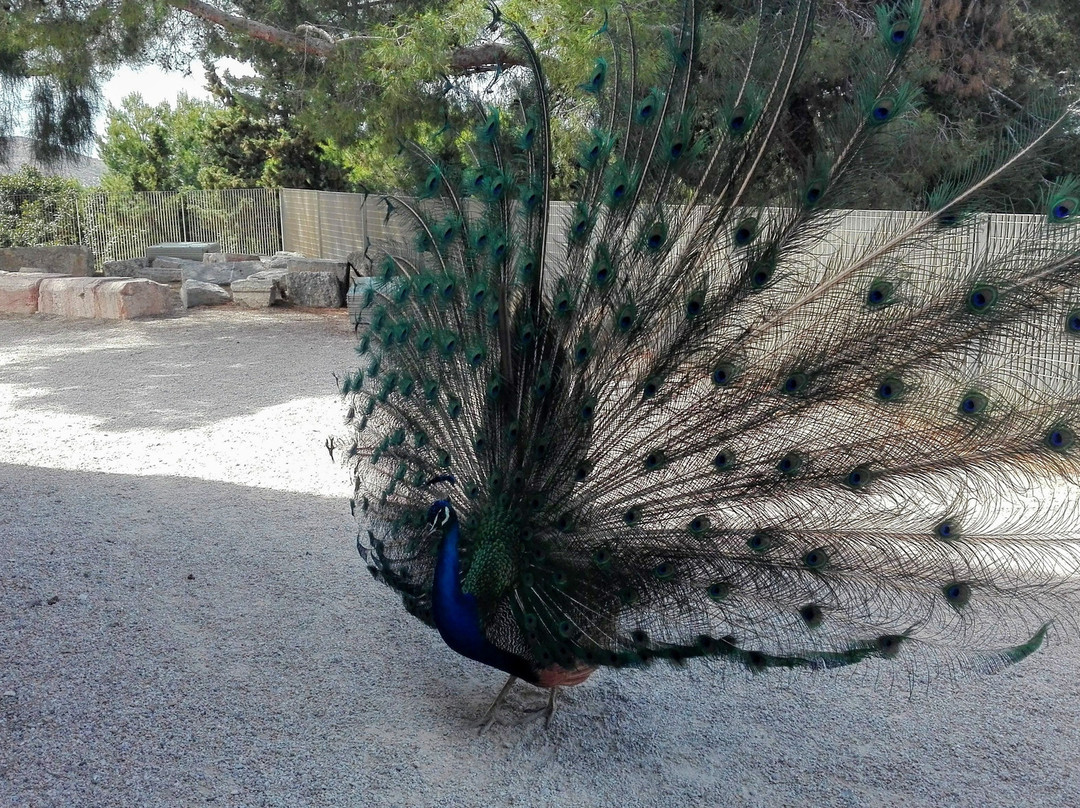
(686, 414)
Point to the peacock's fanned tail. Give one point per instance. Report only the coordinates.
(676, 424)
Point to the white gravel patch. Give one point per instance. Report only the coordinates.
(184, 621)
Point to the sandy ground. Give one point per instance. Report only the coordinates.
(184, 620)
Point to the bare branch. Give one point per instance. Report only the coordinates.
(314, 30)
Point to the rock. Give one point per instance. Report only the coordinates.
(162, 274)
(272, 274)
(277, 276)
(361, 264)
(131, 268)
(190, 250)
(227, 258)
(339, 268)
(280, 259)
(197, 293)
(137, 268)
(71, 297)
(316, 289)
(221, 274)
(103, 298)
(255, 293)
(67, 260)
(19, 291)
(170, 262)
(40, 270)
(129, 299)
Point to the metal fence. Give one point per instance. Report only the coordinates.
(119, 226)
(324, 224)
(321, 224)
(328, 224)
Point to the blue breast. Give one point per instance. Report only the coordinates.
(457, 614)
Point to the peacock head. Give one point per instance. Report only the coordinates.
(440, 516)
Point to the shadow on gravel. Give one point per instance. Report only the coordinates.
(171, 641)
(209, 643)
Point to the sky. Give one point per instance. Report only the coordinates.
(154, 84)
(157, 85)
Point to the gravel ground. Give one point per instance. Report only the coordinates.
(184, 620)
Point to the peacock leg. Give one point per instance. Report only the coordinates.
(552, 701)
(489, 716)
(549, 709)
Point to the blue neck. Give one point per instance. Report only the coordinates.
(457, 614)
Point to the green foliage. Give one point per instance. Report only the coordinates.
(247, 146)
(155, 148)
(36, 209)
(225, 143)
(338, 121)
(53, 54)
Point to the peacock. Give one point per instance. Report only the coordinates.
(678, 415)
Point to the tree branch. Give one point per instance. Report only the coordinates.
(479, 58)
(315, 42)
(254, 28)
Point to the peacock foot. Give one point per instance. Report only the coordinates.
(548, 710)
(489, 716)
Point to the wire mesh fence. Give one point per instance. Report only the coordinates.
(325, 224)
(321, 224)
(118, 226)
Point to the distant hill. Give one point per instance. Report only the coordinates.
(87, 170)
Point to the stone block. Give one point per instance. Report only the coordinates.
(338, 268)
(132, 268)
(171, 262)
(19, 291)
(361, 265)
(72, 297)
(190, 250)
(129, 299)
(280, 259)
(316, 289)
(221, 274)
(255, 293)
(41, 270)
(276, 275)
(137, 268)
(103, 298)
(227, 258)
(197, 293)
(161, 274)
(67, 260)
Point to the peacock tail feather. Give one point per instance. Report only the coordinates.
(675, 422)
